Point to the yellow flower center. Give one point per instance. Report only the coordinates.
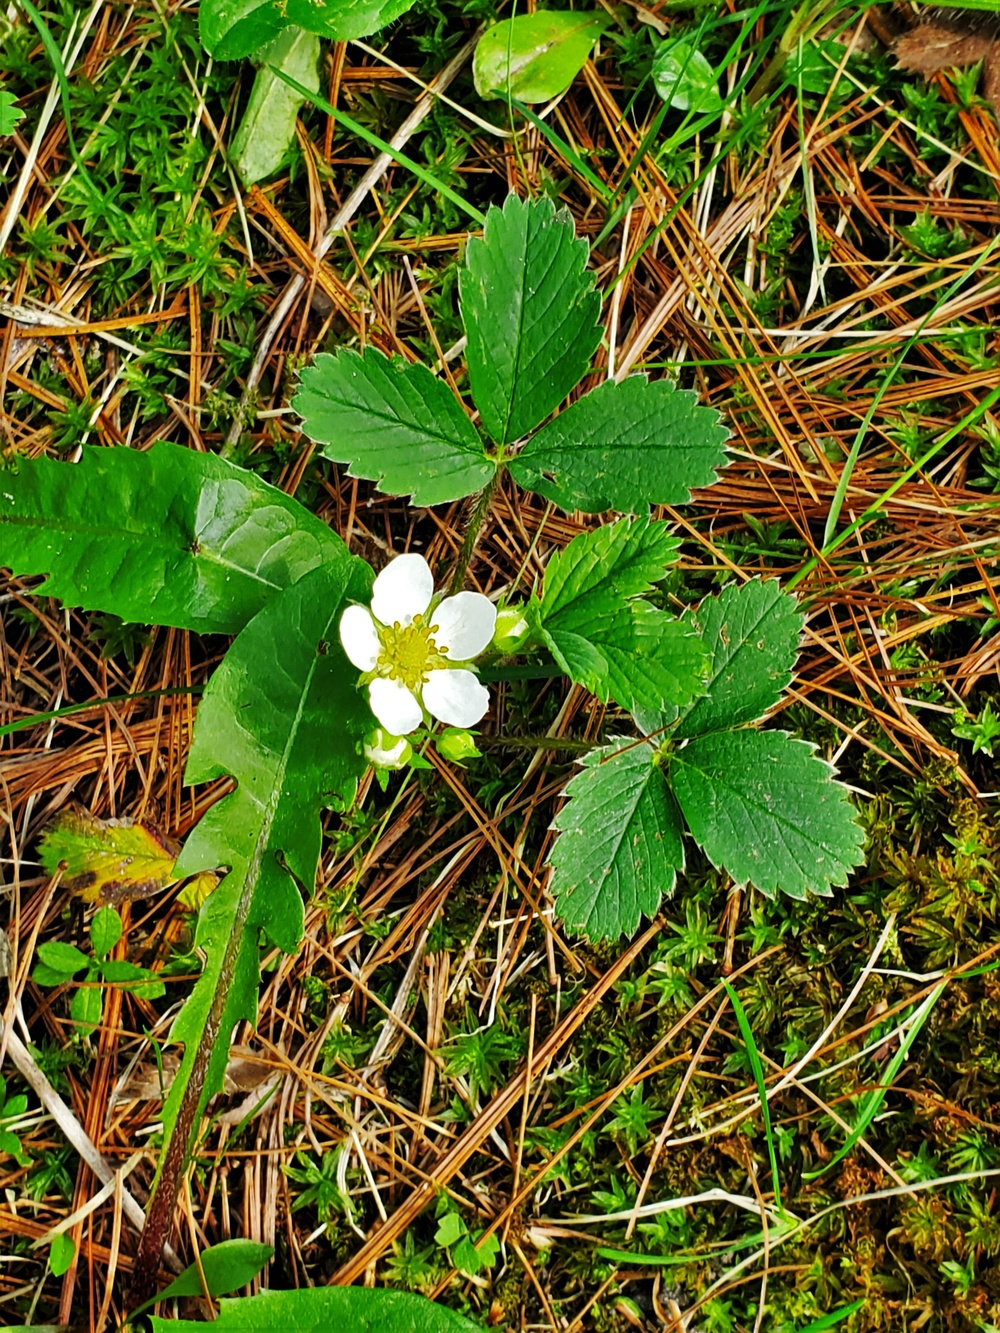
(408, 652)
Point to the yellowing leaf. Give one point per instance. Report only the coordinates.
(108, 860)
(197, 889)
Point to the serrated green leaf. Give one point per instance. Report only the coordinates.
(620, 842)
(767, 810)
(282, 715)
(624, 446)
(751, 632)
(10, 114)
(604, 639)
(267, 126)
(344, 20)
(535, 57)
(600, 569)
(232, 29)
(530, 309)
(322, 1309)
(684, 78)
(165, 537)
(394, 423)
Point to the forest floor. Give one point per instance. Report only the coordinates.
(820, 265)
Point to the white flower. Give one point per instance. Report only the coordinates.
(409, 648)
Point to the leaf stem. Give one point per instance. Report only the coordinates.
(479, 511)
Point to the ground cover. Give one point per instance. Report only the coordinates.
(441, 1060)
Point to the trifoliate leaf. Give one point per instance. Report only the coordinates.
(394, 424)
(751, 632)
(604, 639)
(767, 810)
(624, 446)
(9, 113)
(530, 309)
(322, 1309)
(108, 860)
(267, 126)
(283, 716)
(619, 846)
(535, 57)
(684, 78)
(232, 29)
(167, 536)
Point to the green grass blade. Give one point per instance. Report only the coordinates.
(422, 174)
(758, 1073)
(871, 1104)
(830, 1320)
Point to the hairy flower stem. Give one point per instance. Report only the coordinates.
(479, 511)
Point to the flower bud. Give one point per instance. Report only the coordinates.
(511, 629)
(456, 745)
(385, 751)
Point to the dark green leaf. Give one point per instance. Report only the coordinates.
(624, 446)
(227, 1266)
(166, 537)
(232, 29)
(530, 308)
(620, 842)
(751, 632)
(684, 78)
(535, 57)
(599, 570)
(282, 715)
(767, 810)
(394, 423)
(329, 1310)
(267, 126)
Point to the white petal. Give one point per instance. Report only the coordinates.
(359, 637)
(403, 590)
(394, 706)
(455, 697)
(463, 625)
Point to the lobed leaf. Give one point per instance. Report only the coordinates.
(322, 1309)
(530, 309)
(624, 446)
(283, 716)
(10, 113)
(393, 423)
(535, 57)
(165, 537)
(767, 810)
(620, 842)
